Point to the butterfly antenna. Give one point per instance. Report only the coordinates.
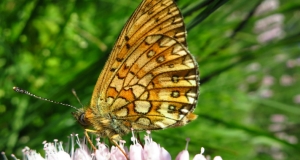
(74, 93)
(20, 90)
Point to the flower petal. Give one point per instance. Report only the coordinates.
(183, 155)
(135, 152)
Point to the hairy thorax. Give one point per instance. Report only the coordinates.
(99, 121)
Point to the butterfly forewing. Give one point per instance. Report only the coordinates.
(151, 17)
(150, 80)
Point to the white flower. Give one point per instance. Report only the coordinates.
(150, 151)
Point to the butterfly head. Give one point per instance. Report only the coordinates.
(80, 117)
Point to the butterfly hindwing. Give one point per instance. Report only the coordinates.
(156, 86)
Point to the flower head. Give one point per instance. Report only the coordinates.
(79, 151)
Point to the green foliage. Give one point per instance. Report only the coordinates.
(250, 91)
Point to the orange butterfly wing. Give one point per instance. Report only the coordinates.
(151, 17)
(150, 80)
(156, 87)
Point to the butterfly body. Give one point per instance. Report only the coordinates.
(150, 80)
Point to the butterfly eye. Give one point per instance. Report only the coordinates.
(81, 120)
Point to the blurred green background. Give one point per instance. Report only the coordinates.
(249, 61)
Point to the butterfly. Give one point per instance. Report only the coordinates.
(150, 80)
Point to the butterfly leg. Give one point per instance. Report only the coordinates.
(88, 137)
